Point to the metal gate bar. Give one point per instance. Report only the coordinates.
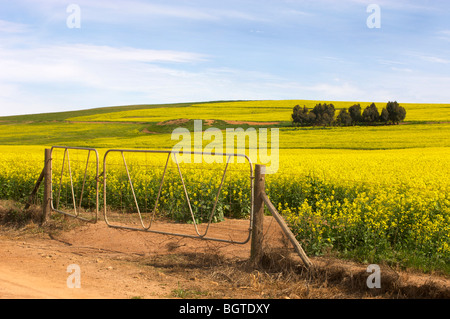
(174, 154)
(76, 212)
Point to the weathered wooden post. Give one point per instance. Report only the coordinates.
(46, 209)
(256, 251)
(260, 200)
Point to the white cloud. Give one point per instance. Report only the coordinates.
(78, 62)
(106, 76)
(13, 27)
(427, 57)
(331, 91)
(401, 69)
(139, 8)
(434, 59)
(129, 11)
(122, 54)
(443, 35)
(390, 62)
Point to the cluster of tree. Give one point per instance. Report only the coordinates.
(323, 114)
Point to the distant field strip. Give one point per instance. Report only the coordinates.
(259, 111)
(134, 136)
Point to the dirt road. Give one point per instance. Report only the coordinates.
(128, 264)
(113, 263)
(38, 268)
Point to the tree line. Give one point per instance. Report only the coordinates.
(324, 114)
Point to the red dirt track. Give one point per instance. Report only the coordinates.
(125, 264)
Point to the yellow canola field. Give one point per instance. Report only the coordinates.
(387, 201)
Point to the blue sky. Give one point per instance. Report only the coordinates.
(145, 52)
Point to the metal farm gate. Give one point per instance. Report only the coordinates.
(87, 167)
(77, 205)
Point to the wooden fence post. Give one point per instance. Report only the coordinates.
(46, 210)
(260, 200)
(256, 251)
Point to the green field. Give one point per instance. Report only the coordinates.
(369, 193)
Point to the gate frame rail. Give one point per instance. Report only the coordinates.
(66, 152)
(174, 154)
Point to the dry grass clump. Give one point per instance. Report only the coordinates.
(281, 275)
(14, 216)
